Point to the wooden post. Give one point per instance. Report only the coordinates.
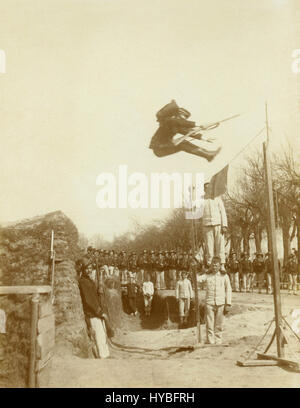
(272, 237)
(52, 258)
(195, 278)
(33, 336)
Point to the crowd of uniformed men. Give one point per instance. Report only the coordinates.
(165, 268)
(150, 271)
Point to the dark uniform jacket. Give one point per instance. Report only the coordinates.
(110, 260)
(105, 260)
(292, 267)
(258, 266)
(143, 262)
(168, 129)
(90, 298)
(246, 266)
(184, 263)
(269, 265)
(122, 262)
(234, 265)
(173, 262)
(152, 262)
(160, 263)
(132, 264)
(132, 289)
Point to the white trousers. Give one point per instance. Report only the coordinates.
(214, 242)
(148, 303)
(292, 282)
(184, 306)
(235, 281)
(99, 334)
(214, 323)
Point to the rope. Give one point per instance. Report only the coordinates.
(298, 338)
(139, 349)
(245, 147)
(260, 341)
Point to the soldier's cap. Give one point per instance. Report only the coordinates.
(292, 255)
(205, 184)
(233, 253)
(89, 248)
(216, 258)
(259, 254)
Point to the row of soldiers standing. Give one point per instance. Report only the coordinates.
(164, 267)
(245, 274)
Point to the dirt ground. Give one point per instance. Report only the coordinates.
(203, 366)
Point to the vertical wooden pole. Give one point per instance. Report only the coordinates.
(52, 257)
(272, 237)
(33, 336)
(198, 331)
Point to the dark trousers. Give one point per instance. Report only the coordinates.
(132, 304)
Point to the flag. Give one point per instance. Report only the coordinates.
(219, 182)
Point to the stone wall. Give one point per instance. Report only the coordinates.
(25, 246)
(71, 334)
(15, 344)
(24, 260)
(16, 341)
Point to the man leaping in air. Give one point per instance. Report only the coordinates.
(173, 120)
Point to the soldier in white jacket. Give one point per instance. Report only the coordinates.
(215, 226)
(184, 293)
(148, 291)
(218, 299)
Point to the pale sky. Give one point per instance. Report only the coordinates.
(84, 79)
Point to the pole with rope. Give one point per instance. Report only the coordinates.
(197, 312)
(272, 237)
(52, 260)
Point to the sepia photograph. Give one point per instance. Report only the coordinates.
(150, 196)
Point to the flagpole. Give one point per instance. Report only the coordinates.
(272, 237)
(198, 323)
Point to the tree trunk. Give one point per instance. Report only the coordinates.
(298, 236)
(286, 240)
(246, 245)
(234, 244)
(258, 238)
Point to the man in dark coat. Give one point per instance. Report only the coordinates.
(172, 120)
(291, 269)
(90, 299)
(259, 268)
(132, 290)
